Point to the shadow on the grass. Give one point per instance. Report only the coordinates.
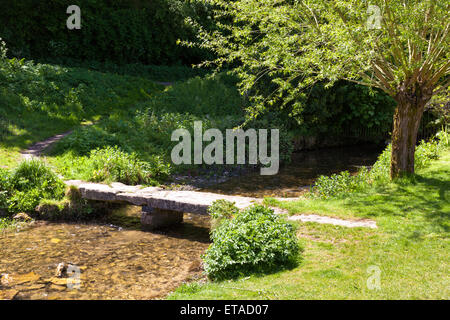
(427, 197)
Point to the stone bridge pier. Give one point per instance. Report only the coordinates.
(154, 218)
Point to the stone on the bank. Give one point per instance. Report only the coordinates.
(22, 217)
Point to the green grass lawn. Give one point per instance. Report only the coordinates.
(410, 247)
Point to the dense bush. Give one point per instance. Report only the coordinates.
(208, 96)
(122, 31)
(347, 109)
(220, 210)
(338, 185)
(255, 240)
(23, 188)
(111, 164)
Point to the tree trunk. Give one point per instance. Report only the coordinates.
(407, 117)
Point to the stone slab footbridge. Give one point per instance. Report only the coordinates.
(162, 208)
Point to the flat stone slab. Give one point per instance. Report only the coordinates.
(190, 201)
(181, 201)
(335, 221)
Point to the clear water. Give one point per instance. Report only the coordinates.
(115, 263)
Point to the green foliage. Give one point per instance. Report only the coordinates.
(255, 240)
(73, 207)
(342, 184)
(3, 50)
(123, 31)
(34, 173)
(161, 73)
(7, 223)
(209, 96)
(220, 209)
(23, 188)
(5, 188)
(85, 139)
(292, 45)
(345, 109)
(39, 100)
(112, 164)
(146, 129)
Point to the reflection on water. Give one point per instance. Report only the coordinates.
(294, 178)
(115, 263)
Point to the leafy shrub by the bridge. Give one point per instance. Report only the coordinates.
(111, 164)
(23, 188)
(254, 241)
(220, 210)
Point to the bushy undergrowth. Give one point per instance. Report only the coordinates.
(24, 187)
(5, 188)
(111, 164)
(85, 139)
(72, 207)
(159, 73)
(146, 129)
(68, 92)
(338, 185)
(253, 241)
(220, 210)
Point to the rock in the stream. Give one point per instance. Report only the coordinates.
(22, 217)
(8, 294)
(61, 270)
(196, 266)
(9, 280)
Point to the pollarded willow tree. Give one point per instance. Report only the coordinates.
(398, 46)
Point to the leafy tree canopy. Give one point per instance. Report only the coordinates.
(398, 46)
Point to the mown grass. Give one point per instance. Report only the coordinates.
(410, 247)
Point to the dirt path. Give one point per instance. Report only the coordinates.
(38, 148)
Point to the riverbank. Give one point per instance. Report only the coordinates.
(409, 251)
